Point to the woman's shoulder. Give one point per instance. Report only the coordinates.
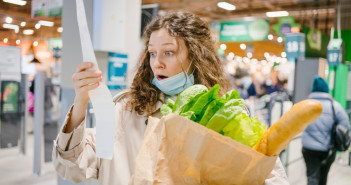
(122, 96)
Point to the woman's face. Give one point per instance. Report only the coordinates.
(167, 56)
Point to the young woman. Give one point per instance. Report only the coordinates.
(178, 53)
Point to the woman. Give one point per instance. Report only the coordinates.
(317, 136)
(178, 53)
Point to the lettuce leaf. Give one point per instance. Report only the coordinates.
(244, 129)
(200, 104)
(233, 94)
(225, 114)
(187, 96)
(167, 108)
(211, 109)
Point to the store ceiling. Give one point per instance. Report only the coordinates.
(318, 13)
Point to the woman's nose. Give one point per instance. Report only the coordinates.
(158, 62)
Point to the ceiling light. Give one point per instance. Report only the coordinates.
(8, 20)
(231, 55)
(59, 29)
(249, 55)
(226, 6)
(270, 37)
(283, 54)
(35, 43)
(16, 2)
(11, 26)
(37, 26)
(242, 46)
(277, 14)
(223, 46)
(23, 24)
(28, 32)
(46, 23)
(6, 40)
(279, 39)
(18, 42)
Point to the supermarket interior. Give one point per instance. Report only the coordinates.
(272, 52)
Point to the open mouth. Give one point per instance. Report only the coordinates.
(161, 77)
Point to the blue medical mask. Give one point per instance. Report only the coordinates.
(174, 84)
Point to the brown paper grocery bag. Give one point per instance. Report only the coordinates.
(176, 150)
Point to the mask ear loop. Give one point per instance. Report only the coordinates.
(186, 72)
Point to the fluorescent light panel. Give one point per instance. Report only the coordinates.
(16, 2)
(28, 32)
(59, 29)
(277, 14)
(11, 26)
(226, 6)
(46, 23)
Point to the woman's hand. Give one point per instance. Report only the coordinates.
(84, 80)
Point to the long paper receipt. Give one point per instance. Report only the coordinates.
(100, 97)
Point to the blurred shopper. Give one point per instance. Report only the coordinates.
(272, 83)
(179, 51)
(241, 80)
(317, 136)
(256, 88)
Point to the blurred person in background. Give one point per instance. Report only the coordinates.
(272, 83)
(316, 138)
(256, 87)
(241, 82)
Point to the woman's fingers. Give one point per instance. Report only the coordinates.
(84, 66)
(89, 87)
(85, 74)
(87, 81)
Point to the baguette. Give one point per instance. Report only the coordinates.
(278, 136)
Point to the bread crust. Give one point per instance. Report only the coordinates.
(278, 136)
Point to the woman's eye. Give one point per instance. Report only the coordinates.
(169, 53)
(152, 54)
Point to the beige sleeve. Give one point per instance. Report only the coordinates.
(73, 153)
(277, 175)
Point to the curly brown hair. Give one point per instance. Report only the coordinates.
(208, 69)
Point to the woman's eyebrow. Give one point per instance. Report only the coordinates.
(167, 43)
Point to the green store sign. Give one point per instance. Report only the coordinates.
(241, 31)
(284, 25)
